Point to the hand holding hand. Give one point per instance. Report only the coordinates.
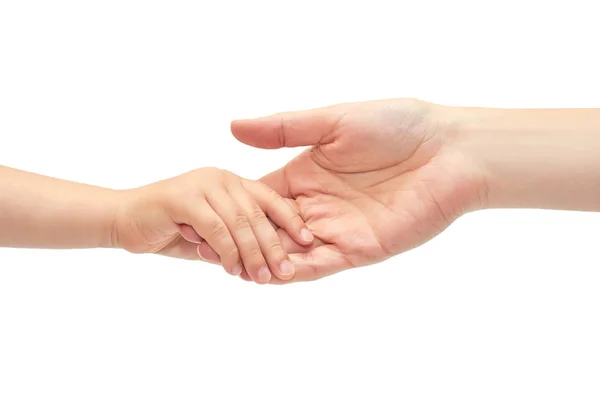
(380, 178)
(174, 216)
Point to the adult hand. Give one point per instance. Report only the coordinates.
(380, 178)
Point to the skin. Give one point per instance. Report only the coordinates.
(382, 177)
(167, 218)
(377, 179)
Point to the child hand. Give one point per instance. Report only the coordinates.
(227, 211)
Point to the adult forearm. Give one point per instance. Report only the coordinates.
(537, 158)
(42, 212)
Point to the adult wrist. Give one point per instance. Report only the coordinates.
(534, 158)
(114, 203)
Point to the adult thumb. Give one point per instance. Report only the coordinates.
(289, 129)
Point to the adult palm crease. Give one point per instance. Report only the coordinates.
(380, 178)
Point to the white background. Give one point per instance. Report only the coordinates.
(123, 93)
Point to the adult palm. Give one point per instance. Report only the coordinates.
(380, 178)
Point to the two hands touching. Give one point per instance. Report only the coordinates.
(377, 178)
(214, 206)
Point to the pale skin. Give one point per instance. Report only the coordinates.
(166, 217)
(382, 177)
(378, 179)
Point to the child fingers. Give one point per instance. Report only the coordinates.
(280, 212)
(188, 233)
(207, 253)
(238, 223)
(266, 235)
(207, 223)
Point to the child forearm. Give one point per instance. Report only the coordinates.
(42, 212)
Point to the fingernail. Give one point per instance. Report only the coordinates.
(199, 254)
(306, 235)
(264, 274)
(286, 267)
(236, 270)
